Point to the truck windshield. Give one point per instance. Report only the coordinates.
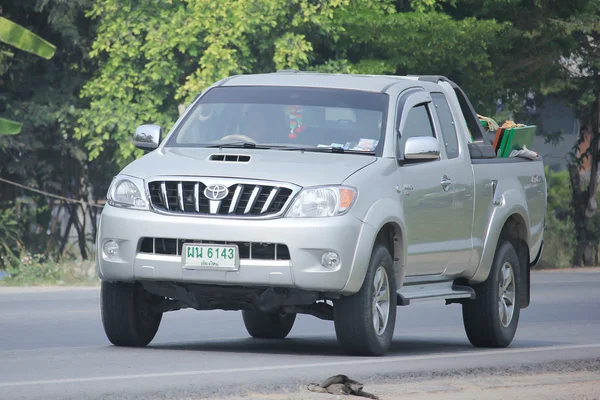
(285, 117)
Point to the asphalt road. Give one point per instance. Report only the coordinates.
(52, 345)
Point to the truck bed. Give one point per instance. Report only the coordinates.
(502, 181)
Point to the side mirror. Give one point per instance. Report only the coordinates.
(147, 137)
(421, 148)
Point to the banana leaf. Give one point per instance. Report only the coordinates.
(23, 39)
(9, 127)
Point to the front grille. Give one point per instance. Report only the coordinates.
(247, 250)
(243, 199)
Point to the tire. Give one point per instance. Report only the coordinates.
(271, 325)
(126, 314)
(355, 316)
(489, 319)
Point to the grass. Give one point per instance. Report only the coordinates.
(32, 272)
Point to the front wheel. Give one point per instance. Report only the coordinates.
(491, 319)
(127, 314)
(364, 321)
(268, 325)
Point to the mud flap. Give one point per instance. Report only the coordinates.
(526, 279)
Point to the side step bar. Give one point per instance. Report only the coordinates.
(434, 291)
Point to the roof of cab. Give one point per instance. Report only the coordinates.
(372, 83)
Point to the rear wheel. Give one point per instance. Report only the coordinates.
(364, 321)
(268, 325)
(491, 319)
(127, 314)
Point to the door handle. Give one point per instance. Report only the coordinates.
(446, 183)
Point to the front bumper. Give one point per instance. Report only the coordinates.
(306, 238)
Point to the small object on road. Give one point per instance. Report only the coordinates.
(341, 385)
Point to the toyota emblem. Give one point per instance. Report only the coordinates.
(216, 192)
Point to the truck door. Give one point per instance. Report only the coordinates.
(458, 171)
(426, 193)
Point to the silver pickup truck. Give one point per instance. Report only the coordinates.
(338, 196)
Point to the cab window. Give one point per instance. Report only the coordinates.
(447, 123)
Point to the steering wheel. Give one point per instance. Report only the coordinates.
(239, 137)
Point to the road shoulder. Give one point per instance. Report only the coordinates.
(501, 385)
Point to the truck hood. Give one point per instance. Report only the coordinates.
(299, 168)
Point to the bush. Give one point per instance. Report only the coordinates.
(20, 244)
(10, 237)
(37, 270)
(32, 269)
(559, 237)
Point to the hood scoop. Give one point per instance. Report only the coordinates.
(230, 157)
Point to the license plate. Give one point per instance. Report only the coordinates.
(206, 256)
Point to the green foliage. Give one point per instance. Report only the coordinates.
(19, 233)
(31, 269)
(429, 5)
(581, 83)
(119, 64)
(154, 55)
(10, 236)
(559, 241)
(175, 49)
(24, 39)
(36, 269)
(9, 127)
(44, 96)
(421, 43)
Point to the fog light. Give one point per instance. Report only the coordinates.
(331, 259)
(111, 248)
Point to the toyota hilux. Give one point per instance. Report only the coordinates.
(339, 196)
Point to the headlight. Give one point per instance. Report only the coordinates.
(322, 202)
(127, 191)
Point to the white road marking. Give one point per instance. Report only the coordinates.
(353, 362)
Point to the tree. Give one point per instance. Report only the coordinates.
(154, 55)
(557, 52)
(581, 67)
(23, 39)
(43, 95)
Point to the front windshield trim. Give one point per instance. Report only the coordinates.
(378, 151)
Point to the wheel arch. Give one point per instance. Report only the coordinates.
(379, 227)
(512, 222)
(513, 228)
(515, 231)
(390, 235)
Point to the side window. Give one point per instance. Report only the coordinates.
(418, 123)
(447, 123)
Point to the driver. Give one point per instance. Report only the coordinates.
(265, 124)
(256, 123)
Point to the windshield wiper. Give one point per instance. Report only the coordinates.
(252, 145)
(245, 145)
(334, 149)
